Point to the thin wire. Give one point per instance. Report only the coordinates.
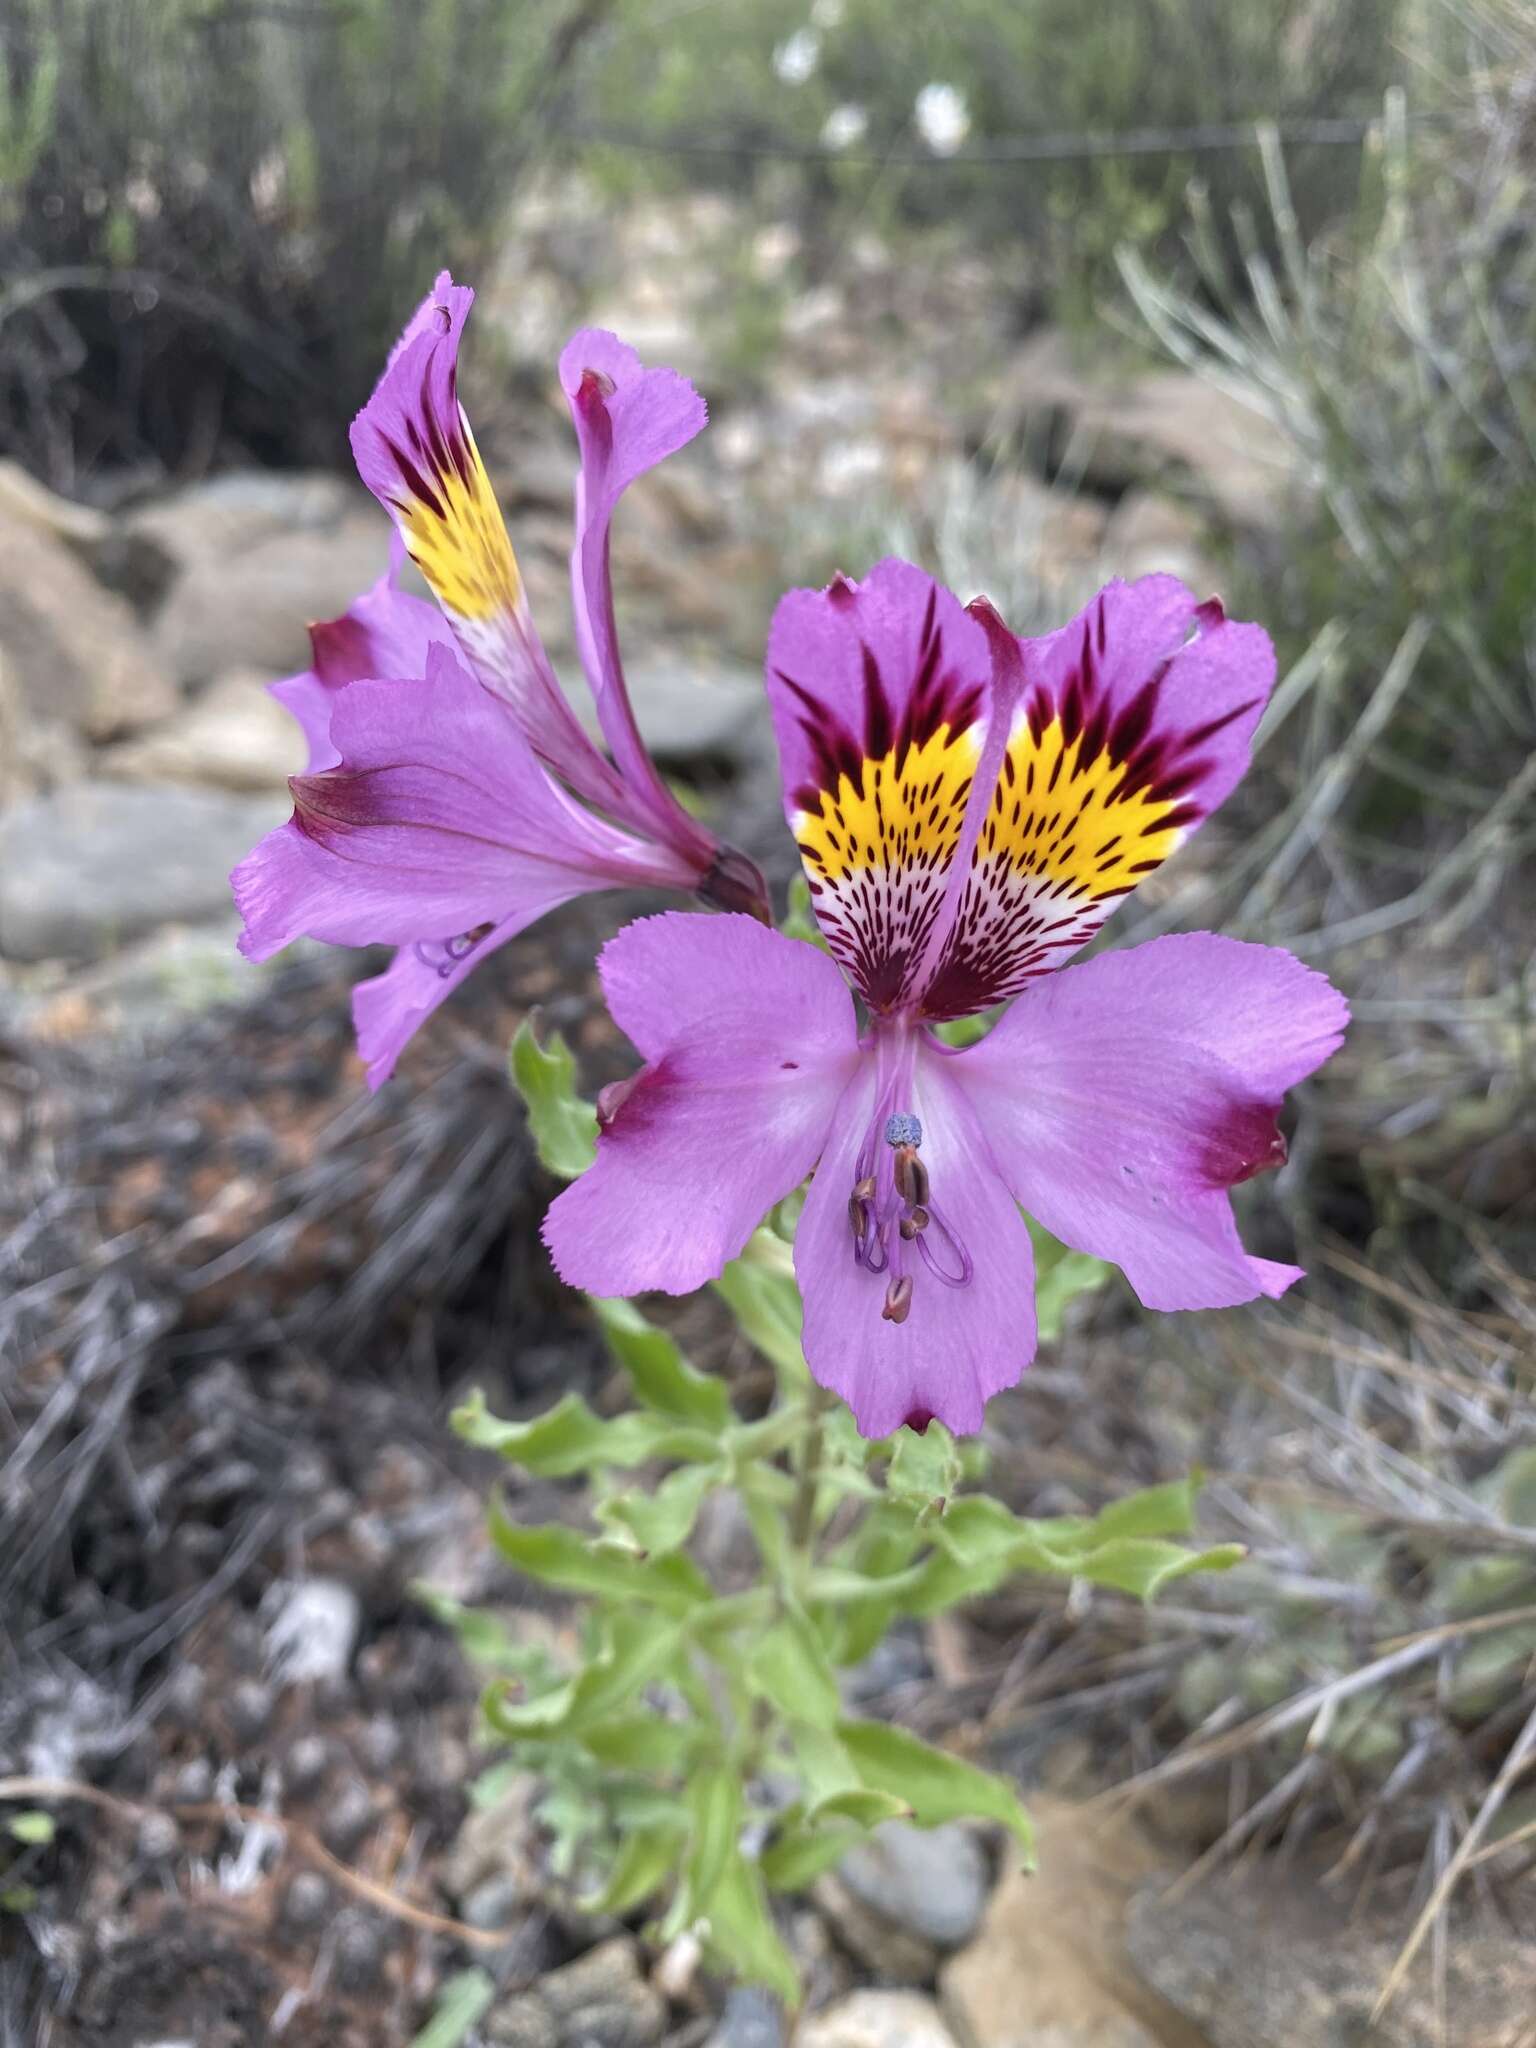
(1064, 146)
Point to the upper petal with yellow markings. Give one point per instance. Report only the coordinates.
(879, 696)
(1136, 720)
(416, 453)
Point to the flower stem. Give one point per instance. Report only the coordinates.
(802, 1514)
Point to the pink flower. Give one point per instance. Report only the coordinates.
(452, 796)
(969, 808)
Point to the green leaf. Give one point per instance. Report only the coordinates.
(660, 1375)
(485, 1638)
(788, 1667)
(660, 1521)
(642, 1741)
(462, 2004)
(800, 1852)
(715, 1808)
(1156, 1511)
(826, 1769)
(1060, 1277)
(32, 1827)
(562, 1557)
(1142, 1565)
(760, 1289)
(570, 1438)
(924, 1468)
(646, 1859)
(636, 1650)
(865, 1808)
(563, 1123)
(740, 1931)
(936, 1786)
(18, 1898)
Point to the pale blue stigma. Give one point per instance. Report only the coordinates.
(903, 1129)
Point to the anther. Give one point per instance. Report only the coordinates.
(858, 1217)
(898, 1300)
(911, 1225)
(864, 1190)
(911, 1176)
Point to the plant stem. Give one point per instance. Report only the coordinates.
(802, 1514)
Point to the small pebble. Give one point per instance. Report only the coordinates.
(158, 1838)
(306, 1763)
(360, 1947)
(347, 1819)
(250, 1709)
(193, 1783)
(307, 1901)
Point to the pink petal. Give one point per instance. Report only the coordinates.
(416, 453)
(627, 419)
(958, 1345)
(386, 633)
(389, 1009)
(749, 1039)
(438, 821)
(880, 692)
(1134, 723)
(1123, 1097)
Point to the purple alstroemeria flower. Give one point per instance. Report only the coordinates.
(452, 796)
(969, 808)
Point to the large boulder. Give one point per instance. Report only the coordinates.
(90, 867)
(74, 654)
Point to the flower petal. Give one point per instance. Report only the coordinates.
(385, 633)
(627, 418)
(749, 1039)
(958, 1345)
(438, 821)
(391, 1007)
(416, 453)
(879, 692)
(1134, 723)
(1123, 1097)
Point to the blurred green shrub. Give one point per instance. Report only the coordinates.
(213, 213)
(1396, 354)
(807, 75)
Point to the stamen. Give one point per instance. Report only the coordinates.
(911, 1177)
(444, 955)
(940, 1231)
(858, 1216)
(898, 1300)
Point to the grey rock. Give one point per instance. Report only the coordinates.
(96, 865)
(250, 1708)
(524, 2021)
(494, 1902)
(22, 497)
(1131, 431)
(251, 610)
(307, 1900)
(74, 654)
(361, 1945)
(158, 1838)
(193, 1783)
(690, 709)
(307, 1763)
(312, 1629)
(933, 1882)
(348, 1818)
(1150, 534)
(877, 2019)
(219, 519)
(232, 736)
(891, 1953)
(1266, 1960)
(495, 1842)
(602, 2000)
(753, 2018)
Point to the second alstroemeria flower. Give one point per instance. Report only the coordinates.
(452, 796)
(969, 808)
